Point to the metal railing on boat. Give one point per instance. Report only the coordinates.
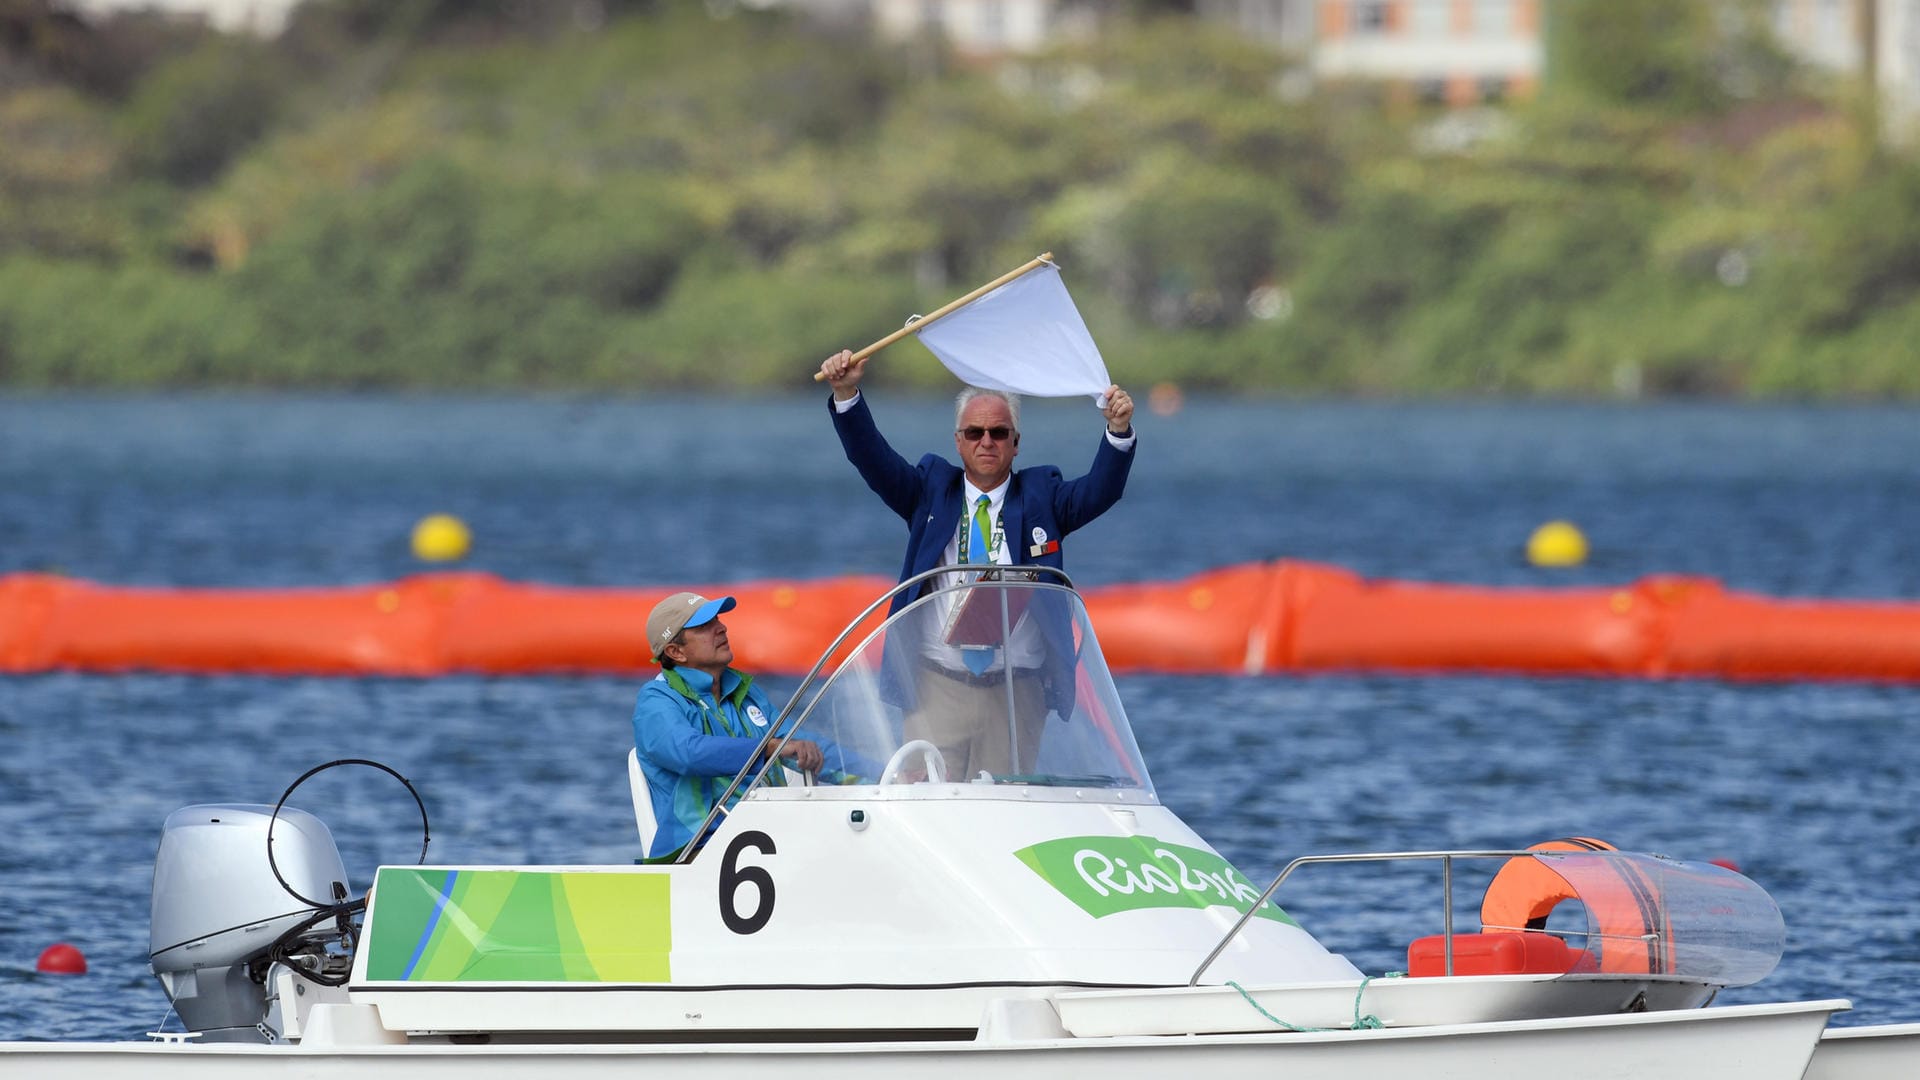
(1445, 859)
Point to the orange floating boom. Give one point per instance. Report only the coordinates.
(1257, 618)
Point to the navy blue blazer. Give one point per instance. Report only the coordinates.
(929, 495)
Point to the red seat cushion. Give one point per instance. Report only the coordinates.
(1491, 954)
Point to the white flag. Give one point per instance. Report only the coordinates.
(1025, 337)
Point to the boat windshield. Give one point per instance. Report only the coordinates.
(996, 681)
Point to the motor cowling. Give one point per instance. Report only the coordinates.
(218, 908)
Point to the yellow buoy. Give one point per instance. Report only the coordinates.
(441, 538)
(1557, 543)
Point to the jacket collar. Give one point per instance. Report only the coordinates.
(698, 685)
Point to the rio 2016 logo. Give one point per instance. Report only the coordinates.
(1108, 874)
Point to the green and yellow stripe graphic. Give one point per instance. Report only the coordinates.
(519, 926)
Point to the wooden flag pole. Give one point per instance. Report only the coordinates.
(921, 322)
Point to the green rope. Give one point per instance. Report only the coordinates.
(1369, 1022)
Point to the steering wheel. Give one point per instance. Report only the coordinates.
(929, 753)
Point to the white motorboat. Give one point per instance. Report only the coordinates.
(994, 887)
(1884, 1050)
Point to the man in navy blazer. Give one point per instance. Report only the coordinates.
(1029, 511)
(1038, 505)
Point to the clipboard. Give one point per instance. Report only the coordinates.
(975, 619)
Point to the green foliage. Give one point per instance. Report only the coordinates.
(73, 324)
(439, 276)
(193, 115)
(56, 176)
(1858, 266)
(1657, 54)
(1389, 253)
(1873, 360)
(1190, 243)
(744, 326)
(1513, 305)
(501, 195)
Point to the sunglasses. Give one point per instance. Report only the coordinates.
(974, 434)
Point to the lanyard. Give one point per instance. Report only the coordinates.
(709, 713)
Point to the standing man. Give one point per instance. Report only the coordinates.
(1025, 516)
(699, 721)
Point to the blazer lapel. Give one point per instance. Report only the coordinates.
(1013, 522)
(946, 518)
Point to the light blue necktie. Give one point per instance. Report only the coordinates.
(978, 660)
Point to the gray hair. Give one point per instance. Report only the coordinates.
(968, 395)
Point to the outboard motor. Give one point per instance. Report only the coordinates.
(221, 917)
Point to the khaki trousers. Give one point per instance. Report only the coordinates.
(967, 719)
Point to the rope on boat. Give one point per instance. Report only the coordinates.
(1368, 1022)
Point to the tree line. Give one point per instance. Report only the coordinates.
(639, 195)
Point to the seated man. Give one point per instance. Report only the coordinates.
(698, 722)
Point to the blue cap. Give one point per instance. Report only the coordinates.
(709, 611)
(676, 613)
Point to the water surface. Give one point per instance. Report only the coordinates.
(1807, 787)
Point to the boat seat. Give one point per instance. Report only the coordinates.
(642, 801)
(643, 797)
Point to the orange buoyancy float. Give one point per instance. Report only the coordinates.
(1423, 627)
(1255, 618)
(1626, 918)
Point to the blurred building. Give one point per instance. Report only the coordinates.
(1878, 40)
(1453, 52)
(1287, 24)
(978, 27)
(265, 17)
(1457, 52)
(1445, 51)
(1826, 33)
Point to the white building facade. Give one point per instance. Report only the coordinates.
(1881, 37)
(977, 27)
(1455, 51)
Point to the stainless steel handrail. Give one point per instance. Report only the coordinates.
(1446, 885)
(720, 804)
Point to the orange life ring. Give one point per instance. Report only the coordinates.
(1626, 913)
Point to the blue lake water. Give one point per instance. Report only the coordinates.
(1809, 788)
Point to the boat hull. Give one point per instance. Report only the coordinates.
(1394, 1003)
(1751, 1042)
(1861, 1053)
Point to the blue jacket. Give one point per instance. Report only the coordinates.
(690, 750)
(929, 495)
